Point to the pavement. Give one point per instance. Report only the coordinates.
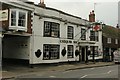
(13, 71)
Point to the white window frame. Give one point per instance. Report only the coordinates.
(51, 51)
(116, 41)
(53, 29)
(22, 28)
(70, 32)
(70, 53)
(108, 40)
(83, 36)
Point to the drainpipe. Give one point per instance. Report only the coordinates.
(1, 51)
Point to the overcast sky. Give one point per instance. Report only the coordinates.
(106, 10)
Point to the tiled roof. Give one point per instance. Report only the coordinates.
(109, 31)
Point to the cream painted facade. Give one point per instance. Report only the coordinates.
(38, 48)
(65, 20)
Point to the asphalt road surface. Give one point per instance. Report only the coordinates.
(96, 72)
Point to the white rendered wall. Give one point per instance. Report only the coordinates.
(38, 39)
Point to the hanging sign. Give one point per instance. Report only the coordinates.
(3, 15)
(96, 28)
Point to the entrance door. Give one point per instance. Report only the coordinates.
(83, 53)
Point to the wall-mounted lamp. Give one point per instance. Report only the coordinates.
(65, 22)
(77, 25)
(40, 17)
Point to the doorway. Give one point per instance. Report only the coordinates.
(15, 49)
(83, 54)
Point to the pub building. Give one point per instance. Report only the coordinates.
(16, 29)
(42, 34)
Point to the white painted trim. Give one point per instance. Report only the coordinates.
(19, 4)
(17, 17)
(109, 40)
(116, 41)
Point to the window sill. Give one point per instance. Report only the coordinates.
(51, 59)
(18, 28)
(51, 37)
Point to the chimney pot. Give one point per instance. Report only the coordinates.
(42, 1)
(41, 4)
(117, 26)
(92, 16)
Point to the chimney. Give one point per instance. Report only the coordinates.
(41, 4)
(92, 16)
(117, 26)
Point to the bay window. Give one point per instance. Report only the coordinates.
(18, 19)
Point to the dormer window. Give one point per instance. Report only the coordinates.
(18, 19)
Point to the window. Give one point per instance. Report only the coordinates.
(21, 19)
(83, 34)
(13, 18)
(116, 41)
(97, 52)
(70, 51)
(51, 29)
(18, 19)
(50, 51)
(93, 36)
(96, 36)
(70, 32)
(108, 40)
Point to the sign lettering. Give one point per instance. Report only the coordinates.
(3, 15)
(68, 41)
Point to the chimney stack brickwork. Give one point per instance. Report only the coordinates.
(41, 4)
(117, 26)
(92, 16)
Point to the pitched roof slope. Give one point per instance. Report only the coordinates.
(112, 32)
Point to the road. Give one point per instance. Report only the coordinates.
(96, 72)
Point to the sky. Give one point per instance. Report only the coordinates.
(106, 10)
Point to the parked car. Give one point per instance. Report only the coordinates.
(116, 54)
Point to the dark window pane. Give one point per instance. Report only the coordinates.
(70, 51)
(22, 19)
(51, 29)
(83, 34)
(50, 51)
(70, 32)
(13, 18)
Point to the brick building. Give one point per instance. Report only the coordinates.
(111, 40)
